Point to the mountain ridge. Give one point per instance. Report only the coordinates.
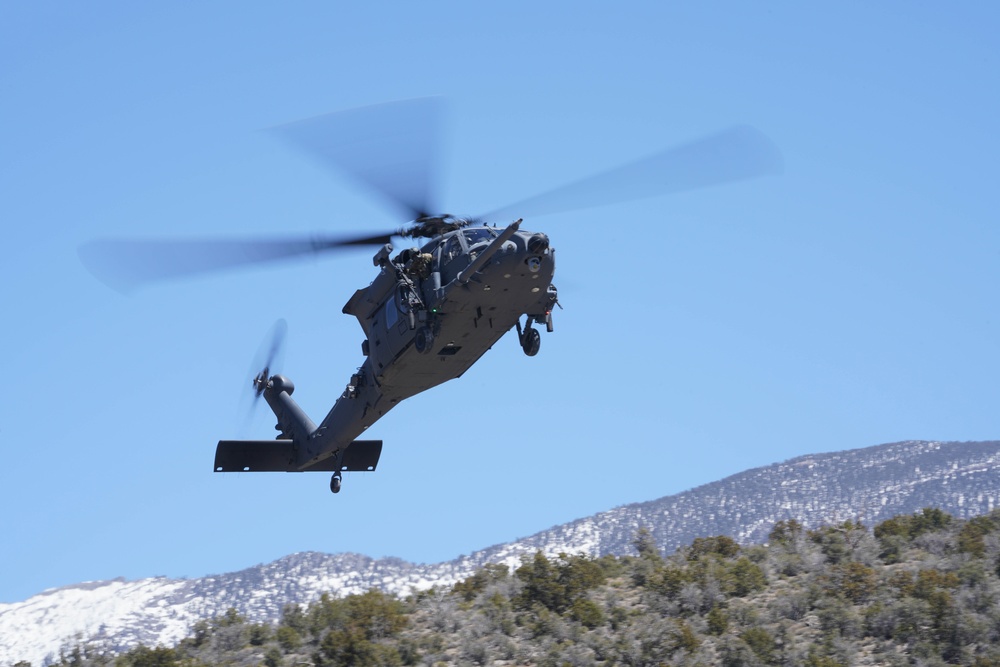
(884, 480)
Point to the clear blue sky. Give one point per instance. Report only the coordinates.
(849, 302)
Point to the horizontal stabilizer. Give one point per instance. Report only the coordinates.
(360, 455)
(279, 456)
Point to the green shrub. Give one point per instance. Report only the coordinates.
(720, 545)
(745, 577)
(587, 612)
(760, 642)
(557, 585)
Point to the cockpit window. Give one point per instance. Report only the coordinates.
(403, 299)
(478, 235)
(452, 249)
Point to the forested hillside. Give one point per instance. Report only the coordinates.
(918, 589)
(871, 484)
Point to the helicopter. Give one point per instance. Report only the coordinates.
(434, 309)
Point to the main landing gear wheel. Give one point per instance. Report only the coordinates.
(528, 337)
(335, 483)
(532, 342)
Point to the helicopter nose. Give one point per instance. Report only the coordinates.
(538, 243)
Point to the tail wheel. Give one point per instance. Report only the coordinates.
(335, 483)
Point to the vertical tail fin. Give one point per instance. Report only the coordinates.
(293, 423)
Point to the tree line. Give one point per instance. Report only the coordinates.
(920, 589)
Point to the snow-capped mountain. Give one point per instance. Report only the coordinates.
(869, 484)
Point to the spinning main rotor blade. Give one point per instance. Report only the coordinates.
(732, 155)
(391, 148)
(126, 264)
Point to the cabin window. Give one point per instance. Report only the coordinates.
(391, 313)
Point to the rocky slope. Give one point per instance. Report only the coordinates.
(870, 484)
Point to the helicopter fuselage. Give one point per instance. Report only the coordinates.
(428, 316)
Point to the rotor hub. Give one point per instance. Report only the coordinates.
(429, 226)
(260, 382)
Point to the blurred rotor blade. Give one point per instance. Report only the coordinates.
(731, 155)
(392, 148)
(125, 264)
(271, 351)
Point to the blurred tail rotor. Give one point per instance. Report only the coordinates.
(266, 362)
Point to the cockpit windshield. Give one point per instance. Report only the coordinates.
(478, 235)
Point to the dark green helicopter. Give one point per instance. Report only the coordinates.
(434, 309)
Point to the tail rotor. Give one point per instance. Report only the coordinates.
(266, 362)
